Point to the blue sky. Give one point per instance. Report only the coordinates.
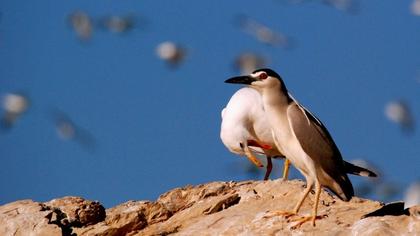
(157, 128)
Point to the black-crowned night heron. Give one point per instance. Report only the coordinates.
(304, 140)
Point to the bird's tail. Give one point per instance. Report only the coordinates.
(341, 186)
(357, 170)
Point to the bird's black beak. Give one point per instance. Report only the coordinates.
(246, 79)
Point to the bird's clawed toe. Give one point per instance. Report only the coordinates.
(300, 221)
(285, 214)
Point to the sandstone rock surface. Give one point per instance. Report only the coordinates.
(218, 208)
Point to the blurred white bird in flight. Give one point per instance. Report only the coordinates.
(412, 195)
(81, 24)
(399, 112)
(245, 129)
(247, 62)
(14, 105)
(171, 53)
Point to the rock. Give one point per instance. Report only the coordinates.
(27, 218)
(128, 217)
(218, 208)
(78, 211)
(56, 217)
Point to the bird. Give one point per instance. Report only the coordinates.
(412, 194)
(118, 24)
(245, 129)
(171, 53)
(304, 140)
(399, 111)
(68, 130)
(247, 62)
(14, 105)
(263, 33)
(82, 24)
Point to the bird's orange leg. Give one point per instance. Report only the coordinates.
(269, 168)
(286, 168)
(252, 157)
(314, 216)
(297, 207)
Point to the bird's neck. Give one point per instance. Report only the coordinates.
(275, 98)
(275, 102)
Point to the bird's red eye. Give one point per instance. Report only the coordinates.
(263, 76)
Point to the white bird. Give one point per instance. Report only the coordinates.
(415, 7)
(247, 62)
(82, 24)
(245, 124)
(263, 33)
(118, 24)
(14, 105)
(171, 53)
(399, 112)
(67, 130)
(304, 140)
(412, 195)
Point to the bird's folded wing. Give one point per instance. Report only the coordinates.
(320, 147)
(314, 138)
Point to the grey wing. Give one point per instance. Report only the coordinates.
(312, 137)
(319, 145)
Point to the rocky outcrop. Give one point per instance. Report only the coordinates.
(219, 208)
(57, 217)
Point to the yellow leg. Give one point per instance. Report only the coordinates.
(315, 209)
(305, 194)
(314, 216)
(297, 207)
(269, 168)
(286, 168)
(252, 157)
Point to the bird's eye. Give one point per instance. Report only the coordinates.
(263, 76)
